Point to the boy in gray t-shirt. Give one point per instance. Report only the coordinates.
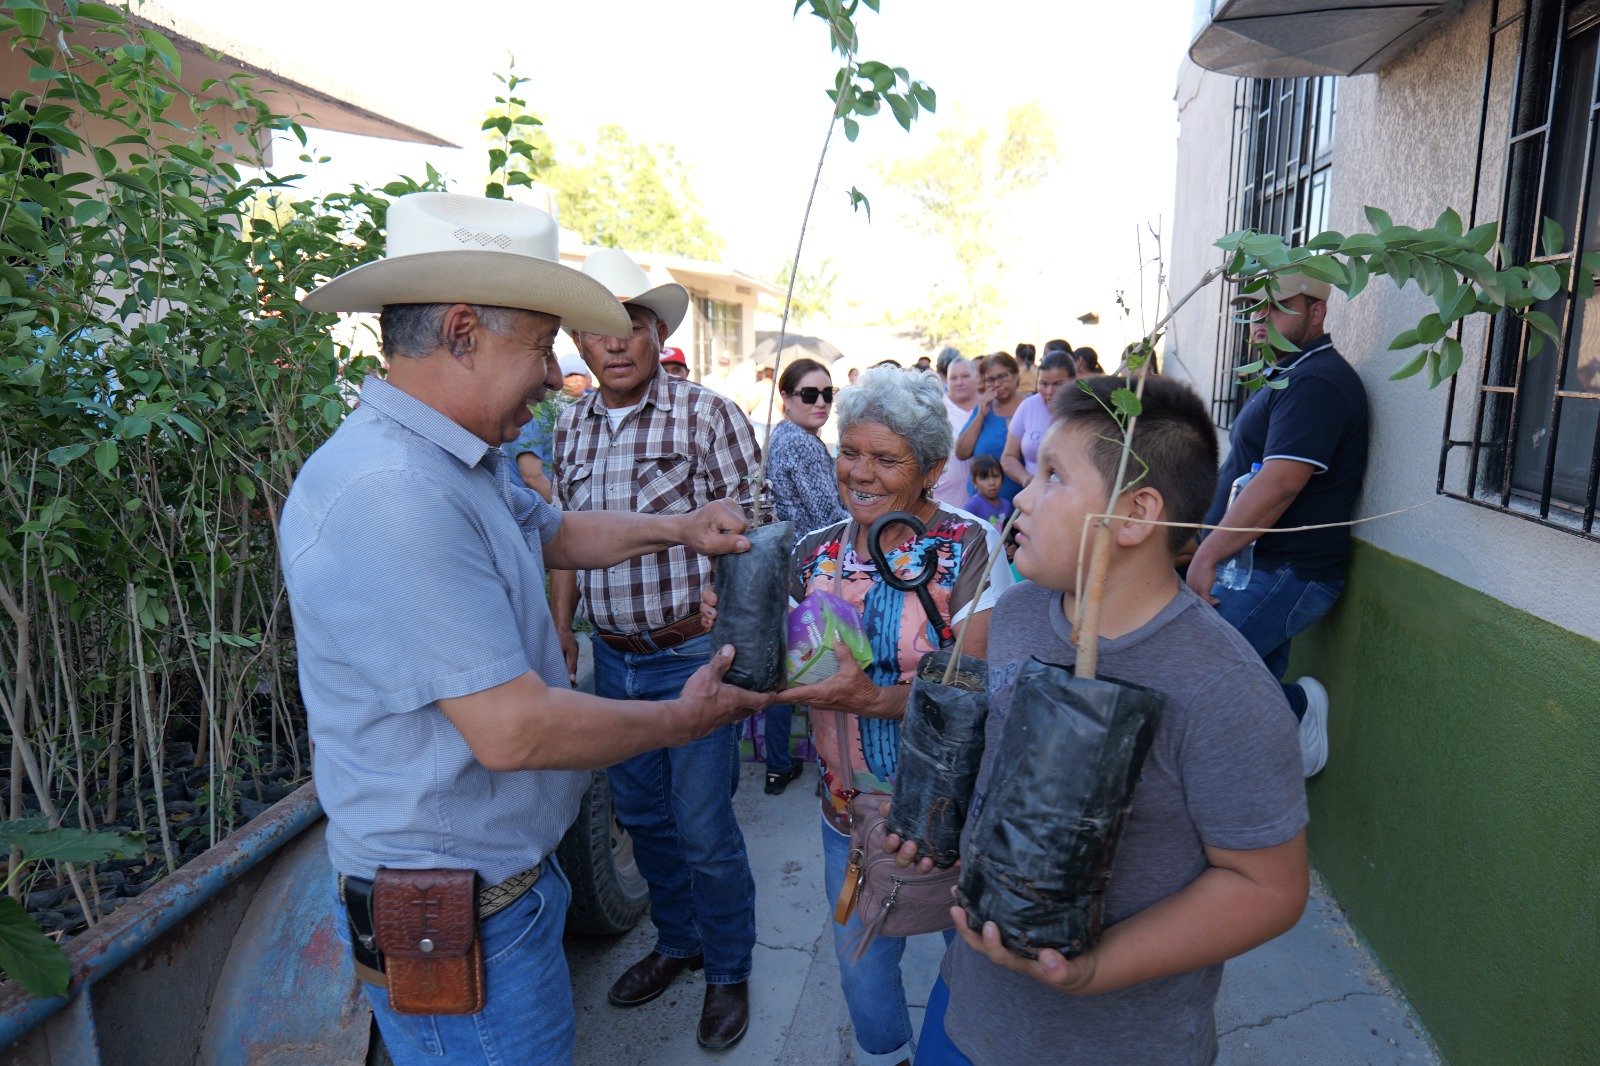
(1212, 859)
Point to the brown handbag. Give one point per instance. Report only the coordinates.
(891, 900)
(426, 923)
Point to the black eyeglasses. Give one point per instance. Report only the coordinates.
(810, 395)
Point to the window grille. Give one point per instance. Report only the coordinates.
(1533, 446)
(719, 336)
(1279, 164)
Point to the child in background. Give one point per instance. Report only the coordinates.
(1212, 859)
(987, 503)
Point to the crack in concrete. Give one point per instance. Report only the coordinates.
(808, 952)
(1271, 1018)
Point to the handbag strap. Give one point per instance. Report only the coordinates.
(841, 718)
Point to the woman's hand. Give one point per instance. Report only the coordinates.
(904, 851)
(850, 690)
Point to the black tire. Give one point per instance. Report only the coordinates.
(609, 895)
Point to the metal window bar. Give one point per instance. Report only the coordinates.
(1501, 405)
(1281, 153)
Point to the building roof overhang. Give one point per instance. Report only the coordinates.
(1308, 38)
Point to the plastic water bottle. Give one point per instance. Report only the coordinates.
(1235, 573)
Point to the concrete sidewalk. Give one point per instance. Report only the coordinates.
(1311, 996)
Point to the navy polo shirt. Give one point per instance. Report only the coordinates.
(1320, 418)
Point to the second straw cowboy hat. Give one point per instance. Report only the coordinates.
(612, 268)
(447, 248)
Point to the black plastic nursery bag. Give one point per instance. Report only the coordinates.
(1039, 858)
(752, 603)
(941, 747)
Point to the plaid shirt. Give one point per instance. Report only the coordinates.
(683, 447)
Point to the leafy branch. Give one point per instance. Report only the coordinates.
(27, 955)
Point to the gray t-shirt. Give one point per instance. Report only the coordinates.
(1224, 771)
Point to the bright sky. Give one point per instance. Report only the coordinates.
(736, 87)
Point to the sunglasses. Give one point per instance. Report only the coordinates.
(811, 395)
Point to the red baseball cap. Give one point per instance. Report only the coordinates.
(673, 355)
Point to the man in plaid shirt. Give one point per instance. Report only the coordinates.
(645, 441)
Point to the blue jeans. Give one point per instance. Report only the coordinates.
(934, 1046)
(1276, 607)
(780, 720)
(677, 805)
(874, 991)
(527, 1014)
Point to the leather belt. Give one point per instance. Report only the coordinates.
(356, 895)
(669, 636)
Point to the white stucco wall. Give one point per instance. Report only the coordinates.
(1405, 141)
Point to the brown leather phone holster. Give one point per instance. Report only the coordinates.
(426, 924)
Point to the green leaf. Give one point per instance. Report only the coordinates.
(1358, 277)
(1361, 244)
(1450, 356)
(1408, 339)
(105, 456)
(1126, 402)
(1324, 268)
(1449, 221)
(1552, 237)
(1430, 329)
(1434, 376)
(1544, 324)
(1544, 281)
(851, 128)
(29, 957)
(1465, 303)
(63, 456)
(1278, 340)
(66, 844)
(858, 200)
(1411, 366)
(1379, 220)
(1327, 239)
(1480, 239)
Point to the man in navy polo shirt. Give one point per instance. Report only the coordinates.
(1310, 438)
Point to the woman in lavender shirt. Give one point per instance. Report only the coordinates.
(1028, 425)
(805, 491)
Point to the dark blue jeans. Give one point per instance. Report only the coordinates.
(1275, 608)
(527, 1017)
(780, 720)
(677, 805)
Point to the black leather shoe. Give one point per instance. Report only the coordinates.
(777, 781)
(725, 1017)
(648, 978)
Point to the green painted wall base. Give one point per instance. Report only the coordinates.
(1458, 819)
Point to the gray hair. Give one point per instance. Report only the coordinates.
(416, 330)
(959, 360)
(908, 403)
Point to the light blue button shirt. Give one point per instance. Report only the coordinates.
(414, 561)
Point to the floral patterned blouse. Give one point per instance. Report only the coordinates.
(896, 625)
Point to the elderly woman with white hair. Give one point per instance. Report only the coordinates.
(894, 441)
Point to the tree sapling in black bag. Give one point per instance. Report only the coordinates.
(1039, 858)
(941, 747)
(752, 603)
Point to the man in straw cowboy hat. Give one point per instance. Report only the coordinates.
(649, 442)
(1309, 433)
(450, 750)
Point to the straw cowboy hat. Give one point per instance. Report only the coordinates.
(612, 268)
(447, 248)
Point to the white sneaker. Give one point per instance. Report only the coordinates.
(1314, 727)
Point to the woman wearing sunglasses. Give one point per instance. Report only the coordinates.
(805, 492)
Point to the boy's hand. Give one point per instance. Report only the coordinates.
(904, 851)
(1051, 969)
